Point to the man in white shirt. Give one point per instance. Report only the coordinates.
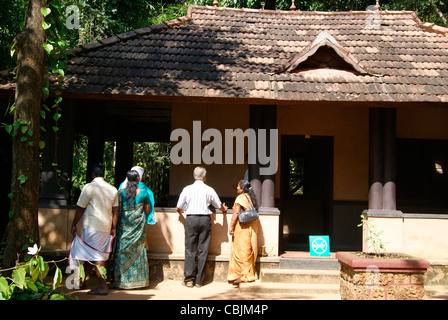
(98, 207)
(194, 201)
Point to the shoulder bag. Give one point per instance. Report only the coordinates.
(248, 215)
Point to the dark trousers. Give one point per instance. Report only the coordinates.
(198, 231)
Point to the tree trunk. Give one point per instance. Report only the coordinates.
(440, 14)
(31, 61)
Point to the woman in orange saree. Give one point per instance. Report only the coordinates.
(244, 247)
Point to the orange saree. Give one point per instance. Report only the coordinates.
(244, 247)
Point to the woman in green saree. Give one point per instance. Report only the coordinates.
(131, 263)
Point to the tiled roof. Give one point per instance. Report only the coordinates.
(246, 53)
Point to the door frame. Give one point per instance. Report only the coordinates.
(285, 154)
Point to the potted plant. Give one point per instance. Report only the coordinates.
(379, 275)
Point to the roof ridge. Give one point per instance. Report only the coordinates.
(191, 7)
(432, 27)
(169, 24)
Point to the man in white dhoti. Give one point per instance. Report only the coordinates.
(98, 208)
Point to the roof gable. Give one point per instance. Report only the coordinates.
(324, 52)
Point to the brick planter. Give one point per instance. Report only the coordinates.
(381, 278)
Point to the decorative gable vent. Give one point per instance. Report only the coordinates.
(324, 53)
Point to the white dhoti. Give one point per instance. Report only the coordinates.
(91, 246)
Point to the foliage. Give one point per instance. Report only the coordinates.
(79, 161)
(154, 157)
(79, 169)
(11, 17)
(27, 280)
(374, 236)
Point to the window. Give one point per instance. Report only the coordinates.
(422, 170)
(296, 176)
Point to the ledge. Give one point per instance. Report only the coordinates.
(383, 213)
(408, 264)
(261, 211)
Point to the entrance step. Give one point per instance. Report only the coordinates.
(291, 288)
(436, 292)
(303, 260)
(299, 276)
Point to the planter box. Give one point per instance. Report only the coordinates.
(367, 278)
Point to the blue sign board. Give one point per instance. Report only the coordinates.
(319, 246)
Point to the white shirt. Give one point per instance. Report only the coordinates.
(195, 199)
(98, 197)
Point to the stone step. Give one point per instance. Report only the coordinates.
(436, 292)
(309, 263)
(291, 288)
(299, 276)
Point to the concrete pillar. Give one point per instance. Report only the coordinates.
(375, 159)
(263, 117)
(382, 212)
(382, 159)
(255, 122)
(390, 160)
(268, 181)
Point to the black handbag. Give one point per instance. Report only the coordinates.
(248, 215)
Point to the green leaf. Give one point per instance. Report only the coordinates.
(35, 274)
(44, 273)
(40, 263)
(5, 291)
(55, 129)
(81, 272)
(45, 91)
(45, 11)
(18, 276)
(57, 296)
(57, 279)
(57, 116)
(8, 128)
(30, 284)
(22, 179)
(32, 264)
(12, 51)
(41, 144)
(103, 271)
(46, 26)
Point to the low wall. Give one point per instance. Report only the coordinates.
(166, 237)
(419, 235)
(367, 278)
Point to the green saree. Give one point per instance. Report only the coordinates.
(131, 262)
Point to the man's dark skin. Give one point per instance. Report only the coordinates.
(102, 289)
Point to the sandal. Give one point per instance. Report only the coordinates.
(236, 283)
(96, 292)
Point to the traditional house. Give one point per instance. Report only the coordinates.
(356, 102)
